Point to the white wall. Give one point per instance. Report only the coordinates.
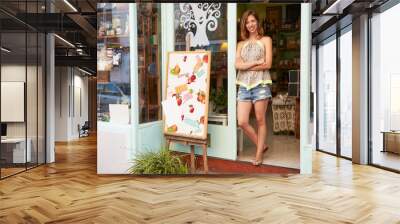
(80, 112)
(71, 93)
(16, 73)
(61, 103)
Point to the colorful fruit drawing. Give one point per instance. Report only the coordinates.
(176, 70)
(201, 96)
(202, 120)
(181, 88)
(205, 58)
(191, 108)
(191, 79)
(172, 128)
(198, 65)
(179, 101)
(178, 98)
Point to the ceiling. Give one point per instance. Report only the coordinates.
(73, 20)
(76, 22)
(330, 16)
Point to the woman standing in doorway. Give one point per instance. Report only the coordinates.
(253, 61)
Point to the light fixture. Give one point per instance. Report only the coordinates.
(5, 50)
(84, 71)
(64, 40)
(70, 5)
(331, 7)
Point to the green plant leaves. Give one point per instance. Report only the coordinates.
(161, 162)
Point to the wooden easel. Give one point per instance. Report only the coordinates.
(192, 142)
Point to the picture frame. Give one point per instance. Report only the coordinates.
(186, 98)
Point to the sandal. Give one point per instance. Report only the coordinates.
(257, 163)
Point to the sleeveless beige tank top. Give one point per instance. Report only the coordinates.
(253, 51)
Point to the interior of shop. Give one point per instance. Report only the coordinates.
(282, 23)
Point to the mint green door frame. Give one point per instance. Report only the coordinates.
(146, 136)
(223, 138)
(134, 77)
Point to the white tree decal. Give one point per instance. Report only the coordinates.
(199, 17)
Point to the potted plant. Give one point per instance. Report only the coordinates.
(161, 162)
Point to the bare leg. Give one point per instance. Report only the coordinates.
(260, 108)
(243, 113)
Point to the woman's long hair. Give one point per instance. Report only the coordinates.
(244, 33)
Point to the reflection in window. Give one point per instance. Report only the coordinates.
(204, 26)
(113, 68)
(149, 51)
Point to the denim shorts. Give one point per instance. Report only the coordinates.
(260, 92)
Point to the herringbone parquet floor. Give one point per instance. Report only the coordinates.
(69, 191)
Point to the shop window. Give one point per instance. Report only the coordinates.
(204, 26)
(113, 64)
(149, 59)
